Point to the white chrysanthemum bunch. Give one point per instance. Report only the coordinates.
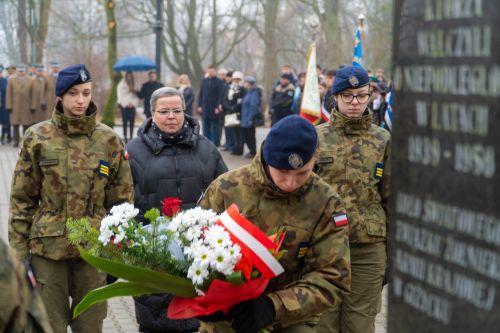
(206, 245)
(114, 226)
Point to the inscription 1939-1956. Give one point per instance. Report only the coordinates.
(445, 214)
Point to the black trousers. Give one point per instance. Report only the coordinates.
(249, 139)
(128, 118)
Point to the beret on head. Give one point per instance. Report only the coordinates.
(290, 143)
(71, 76)
(350, 77)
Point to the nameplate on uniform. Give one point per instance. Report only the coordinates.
(379, 170)
(103, 168)
(53, 161)
(325, 160)
(340, 220)
(302, 249)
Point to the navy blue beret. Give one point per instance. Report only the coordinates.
(71, 76)
(290, 143)
(350, 77)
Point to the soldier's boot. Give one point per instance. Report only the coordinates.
(15, 141)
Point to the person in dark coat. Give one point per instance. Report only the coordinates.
(147, 90)
(209, 104)
(231, 105)
(4, 115)
(169, 158)
(250, 109)
(184, 86)
(282, 98)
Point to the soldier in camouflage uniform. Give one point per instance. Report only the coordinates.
(279, 189)
(21, 309)
(354, 159)
(69, 166)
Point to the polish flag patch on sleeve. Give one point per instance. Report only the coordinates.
(340, 220)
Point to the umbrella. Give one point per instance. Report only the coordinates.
(134, 64)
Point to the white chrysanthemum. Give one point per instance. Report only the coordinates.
(124, 211)
(221, 261)
(193, 234)
(234, 252)
(202, 256)
(217, 236)
(197, 273)
(191, 250)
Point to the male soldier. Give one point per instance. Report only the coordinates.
(279, 189)
(68, 167)
(50, 87)
(21, 309)
(38, 103)
(18, 102)
(354, 159)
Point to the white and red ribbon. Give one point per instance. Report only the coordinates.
(253, 239)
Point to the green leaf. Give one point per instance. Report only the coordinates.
(161, 281)
(117, 289)
(235, 278)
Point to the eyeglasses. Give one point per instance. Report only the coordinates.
(348, 98)
(175, 112)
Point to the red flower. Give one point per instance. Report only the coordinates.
(171, 206)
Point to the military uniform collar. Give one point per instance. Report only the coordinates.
(75, 126)
(264, 181)
(351, 125)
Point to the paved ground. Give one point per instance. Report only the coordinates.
(121, 317)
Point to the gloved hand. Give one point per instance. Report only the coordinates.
(216, 316)
(43, 107)
(9, 110)
(32, 110)
(252, 316)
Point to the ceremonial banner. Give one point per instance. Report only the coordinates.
(310, 108)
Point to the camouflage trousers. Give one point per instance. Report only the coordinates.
(60, 280)
(357, 312)
(225, 327)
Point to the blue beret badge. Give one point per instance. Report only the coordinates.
(353, 81)
(295, 161)
(83, 76)
(379, 171)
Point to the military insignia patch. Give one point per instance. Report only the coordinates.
(83, 76)
(353, 81)
(302, 249)
(295, 161)
(340, 220)
(379, 171)
(103, 168)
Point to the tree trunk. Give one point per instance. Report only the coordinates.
(43, 27)
(214, 32)
(22, 31)
(270, 65)
(331, 28)
(108, 116)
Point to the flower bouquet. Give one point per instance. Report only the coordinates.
(209, 262)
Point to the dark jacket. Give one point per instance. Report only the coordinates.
(147, 89)
(188, 94)
(182, 167)
(233, 97)
(210, 97)
(4, 116)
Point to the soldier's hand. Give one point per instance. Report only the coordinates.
(252, 316)
(32, 110)
(9, 110)
(43, 107)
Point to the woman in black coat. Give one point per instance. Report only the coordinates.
(169, 158)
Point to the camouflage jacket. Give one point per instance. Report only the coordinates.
(354, 159)
(317, 264)
(67, 167)
(21, 309)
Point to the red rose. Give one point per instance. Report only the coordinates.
(171, 206)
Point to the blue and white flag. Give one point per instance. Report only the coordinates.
(357, 55)
(387, 122)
